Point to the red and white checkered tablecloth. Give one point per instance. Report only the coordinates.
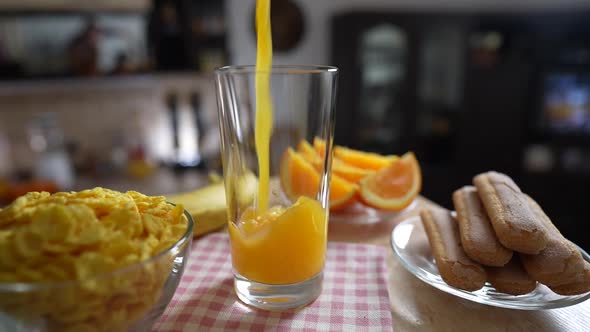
(354, 296)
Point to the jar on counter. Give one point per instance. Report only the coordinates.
(46, 139)
(5, 157)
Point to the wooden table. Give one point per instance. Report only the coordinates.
(417, 306)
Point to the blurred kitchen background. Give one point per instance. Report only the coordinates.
(119, 93)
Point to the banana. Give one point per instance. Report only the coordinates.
(208, 206)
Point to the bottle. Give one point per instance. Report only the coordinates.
(52, 163)
(5, 160)
(195, 101)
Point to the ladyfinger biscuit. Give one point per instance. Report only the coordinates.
(579, 287)
(511, 278)
(512, 219)
(560, 262)
(455, 268)
(477, 235)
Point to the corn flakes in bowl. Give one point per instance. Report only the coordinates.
(94, 260)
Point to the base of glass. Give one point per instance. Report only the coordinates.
(278, 297)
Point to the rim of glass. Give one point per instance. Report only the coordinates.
(278, 69)
(19, 287)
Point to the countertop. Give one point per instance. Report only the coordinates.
(163, 182)
(417, 306)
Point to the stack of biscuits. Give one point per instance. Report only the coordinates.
(502, 236)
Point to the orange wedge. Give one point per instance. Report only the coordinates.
(320, 146)
(393, 187)
(307, 151)
(345, 171)
(361, 159)
(355, 158)
(339, 168)
(300, 178)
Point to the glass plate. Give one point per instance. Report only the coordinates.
(359, 213)
(410, 244)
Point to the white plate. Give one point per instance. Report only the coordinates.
(410, 244)
(359, 213)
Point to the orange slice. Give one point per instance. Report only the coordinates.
(307, 151)
(355, 158)
(320, 146)
(300, 178)
(340, 168)
(343, 170)
(393, 187)
(348, 172)
(361, 159)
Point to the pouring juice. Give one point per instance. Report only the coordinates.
(278, 241)
(276, 245)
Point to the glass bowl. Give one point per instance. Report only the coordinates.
(127, 299)
(410, 245)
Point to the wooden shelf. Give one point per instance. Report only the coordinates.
(177, 80)
(75, 5)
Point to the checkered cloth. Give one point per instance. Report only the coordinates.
(354, 296)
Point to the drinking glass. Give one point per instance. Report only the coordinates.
(277, 258)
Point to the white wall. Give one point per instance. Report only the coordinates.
(315, 47)
(92, 112)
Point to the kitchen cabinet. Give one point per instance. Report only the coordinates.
(467, 91)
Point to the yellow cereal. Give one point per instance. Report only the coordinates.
(29, 275)
(90, 264)
(67, 264)
(27, 244)
(154, 225)
(176, 214)
(76, 236)
(8, 257)
(132, 227)
(52, 222)
(53, 272)
(119, 247)
(86, 327)
(164, 245)
(83, 213)
(128, 259)
(7, 277)
(59, 248)
(4, 233)
(90, 235)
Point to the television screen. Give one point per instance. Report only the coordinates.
(566, 103)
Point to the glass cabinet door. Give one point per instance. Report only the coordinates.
(382, 57)
(439, 89)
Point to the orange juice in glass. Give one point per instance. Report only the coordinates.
(278, 240)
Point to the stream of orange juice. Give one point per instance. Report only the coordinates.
(275, 245)
(263, 99)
